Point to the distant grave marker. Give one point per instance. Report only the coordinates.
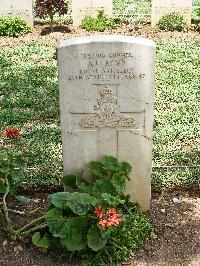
(106, 100)
(163, 7)
(80, 9)
(17, 8)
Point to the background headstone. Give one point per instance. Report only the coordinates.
(17, 8)
(163, 7)
(106, 100)
(80, 9)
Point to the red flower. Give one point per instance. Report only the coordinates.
(98, 212)
(108, 219)
(12, 133)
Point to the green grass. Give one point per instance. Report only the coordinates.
(29, 100)
(177, 127)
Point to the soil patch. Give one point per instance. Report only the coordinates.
(175, 240)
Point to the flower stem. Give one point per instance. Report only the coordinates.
(30, 224)
(17, 212)
(4, 201)
(6, 226)
(2, 219)
(39, 227)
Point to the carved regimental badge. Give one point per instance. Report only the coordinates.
(107, 113)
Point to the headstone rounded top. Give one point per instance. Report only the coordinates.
(107, 38)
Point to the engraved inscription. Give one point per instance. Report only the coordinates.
(107, 113)
(111, 66)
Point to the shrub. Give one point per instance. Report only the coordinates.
(13, 27)
(11, 174)
(197, 19)
(172, 21)
(97, 222)
(101, 23)
(48, 8)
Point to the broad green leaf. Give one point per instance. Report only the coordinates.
(41, 241)
(3, 156)
(118, 182)
(3, 167)
(2, 185)
(106, 233)
(49, 198)
(95, 239)
(36, 237)
(104, 186)
(79, 203)
(55, 221)
(19, 162)
(96, 168)
(110, 163)
(23, 199)
(70, 180)
(79, 178)
(83, 185)
(110, 200)
(16, 175)
(59, 199)
(86, 188)
(126, 168)
(74, 233)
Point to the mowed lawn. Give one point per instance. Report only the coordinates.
(29, 100)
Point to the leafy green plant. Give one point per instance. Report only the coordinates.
(198, 12)
(93, 221)
(101, 23)
(172, 21)
(96, 221)
(11, 170)
(196, 20)
(13, 27)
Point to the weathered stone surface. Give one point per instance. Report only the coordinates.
(106, 100)
(17, 8)
(163, 7)
(80, 9)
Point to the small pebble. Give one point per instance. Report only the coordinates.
(18, 248)
(153, 235)
(169, 225)
(176, 201)
(5, 242)
(36, 200)
(162, 210)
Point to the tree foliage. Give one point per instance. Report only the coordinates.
(48, 8)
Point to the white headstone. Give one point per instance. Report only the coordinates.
(106, 100)
(80, 9)
(17, 8)
(163, 7)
